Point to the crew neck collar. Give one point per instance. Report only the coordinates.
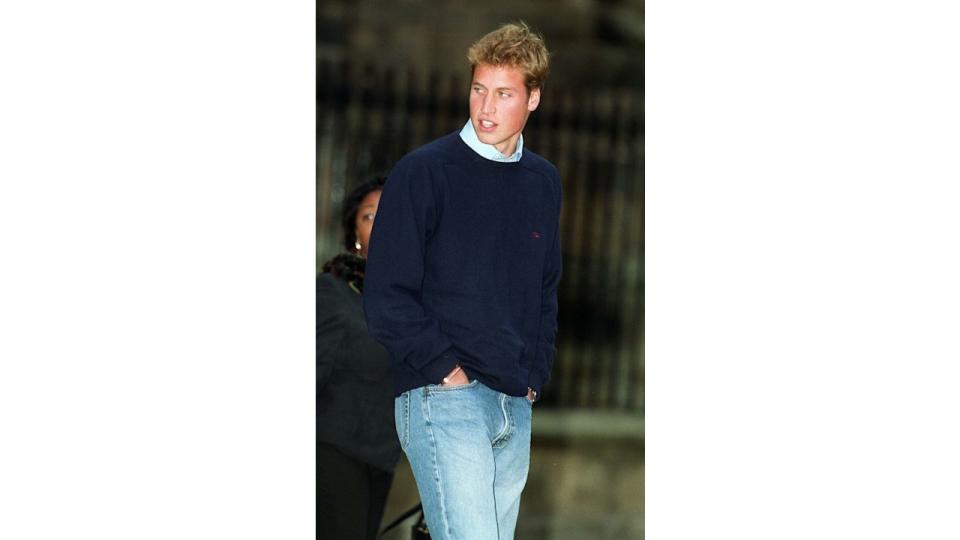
(488, 151)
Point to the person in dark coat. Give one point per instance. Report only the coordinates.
(357, 445)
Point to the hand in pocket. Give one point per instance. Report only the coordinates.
(456, 377)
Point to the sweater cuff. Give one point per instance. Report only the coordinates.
(438, 368)
(536, 382)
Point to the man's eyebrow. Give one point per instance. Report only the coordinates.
(475, 83)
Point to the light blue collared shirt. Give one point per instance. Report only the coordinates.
(488, 151)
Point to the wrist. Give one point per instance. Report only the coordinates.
(452, 374)
(438, 368)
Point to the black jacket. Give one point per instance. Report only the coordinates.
(354, 385)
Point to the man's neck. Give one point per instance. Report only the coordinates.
(489, 151)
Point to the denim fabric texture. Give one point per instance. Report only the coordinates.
(469, 449)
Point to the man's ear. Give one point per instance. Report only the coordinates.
(534, 100)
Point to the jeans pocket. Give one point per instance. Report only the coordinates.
(401, 417)
(432, 388)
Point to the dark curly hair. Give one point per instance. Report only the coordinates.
(351, 204)
(350, 266)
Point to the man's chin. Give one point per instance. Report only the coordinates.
(487, 138)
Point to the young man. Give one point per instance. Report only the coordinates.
(461, 289)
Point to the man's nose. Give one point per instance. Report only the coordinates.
(488, 105)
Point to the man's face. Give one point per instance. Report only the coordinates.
(500, 106)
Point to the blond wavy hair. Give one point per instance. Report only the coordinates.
(514, 45)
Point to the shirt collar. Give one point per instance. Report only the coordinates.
(488, 151)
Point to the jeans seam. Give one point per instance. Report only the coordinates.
(436, 468)
(505, 433)
(406, 420)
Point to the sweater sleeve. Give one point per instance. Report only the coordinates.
(406, 218)
(546, 342)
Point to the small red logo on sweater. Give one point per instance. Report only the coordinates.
(535, 234)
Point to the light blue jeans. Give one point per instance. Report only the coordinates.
(469, 448)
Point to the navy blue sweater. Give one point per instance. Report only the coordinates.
(463, 266)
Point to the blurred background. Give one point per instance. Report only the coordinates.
(392, 76)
